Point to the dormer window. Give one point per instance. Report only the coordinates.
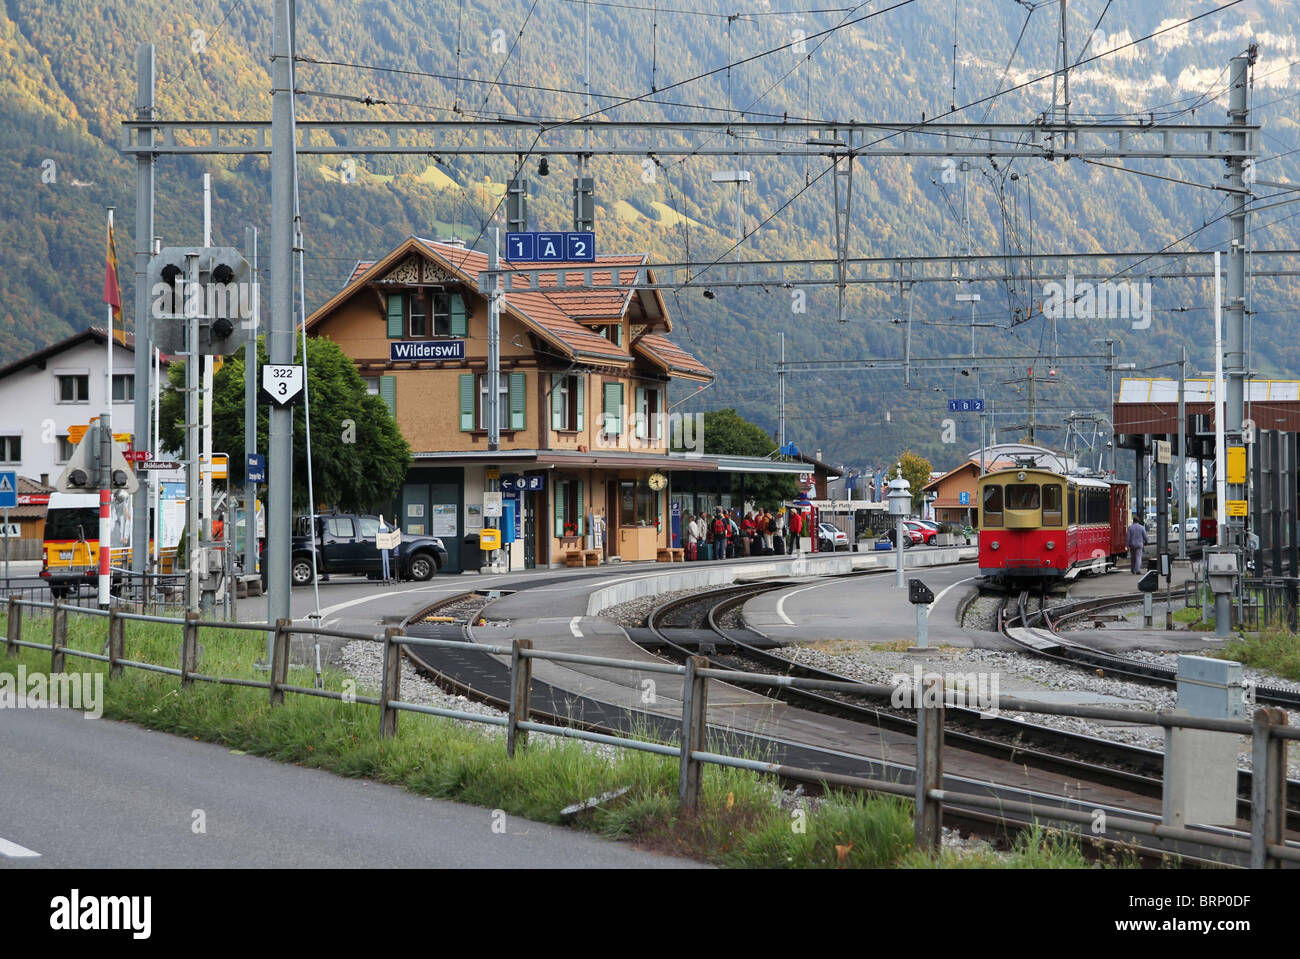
(614, 333)
(416, 314)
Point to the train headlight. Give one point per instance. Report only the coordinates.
(1051, 544)
(993, 545)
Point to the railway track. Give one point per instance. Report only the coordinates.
(1083, 757)
(1047, 642)
(486, 679)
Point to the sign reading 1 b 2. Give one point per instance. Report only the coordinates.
(551, 247)
(966, 406)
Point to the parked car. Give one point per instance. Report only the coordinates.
(913, 537)
(927, 532)
(345, 544)
(831, 538)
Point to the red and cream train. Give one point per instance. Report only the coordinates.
(1038, 524)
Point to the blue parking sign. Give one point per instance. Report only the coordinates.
(963, 498)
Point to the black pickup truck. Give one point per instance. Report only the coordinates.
(345, 544)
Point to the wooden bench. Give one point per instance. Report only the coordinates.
(591, 557)
(574, 557)
(670, 554)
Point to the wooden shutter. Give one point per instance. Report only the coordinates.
(614, 409)
(582, 511)
(516, 401)
(557, 402)
(459, 319)
(560, 489)
(396, 315)
(467, 401)
(581, 400)
(388, 393)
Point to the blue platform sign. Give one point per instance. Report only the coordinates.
(966, 406)
(963, 498)
(576, 247)
(255, 468)
(426, 350)
(8, 489)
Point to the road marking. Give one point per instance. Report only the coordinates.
(14, 851)
(944, 593)
(371, 597)
(780, 603)
(573, 626)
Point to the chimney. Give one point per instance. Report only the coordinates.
(818, 455)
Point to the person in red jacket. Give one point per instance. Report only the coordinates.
(796, 529)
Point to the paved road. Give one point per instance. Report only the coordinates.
(867, 608)
(86, 793)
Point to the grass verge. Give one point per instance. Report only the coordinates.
(1273, 650)
(739, 824)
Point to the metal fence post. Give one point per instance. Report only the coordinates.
(14, 627)
(521, 684)
(392, 684)
(280, 660)
(1292, 597)
(1268, 788)
(928, 824)
(695, 704)
(58, 638)
(116, 643)
(189, 647)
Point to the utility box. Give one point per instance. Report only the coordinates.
(1201, 766)
(1221, 570)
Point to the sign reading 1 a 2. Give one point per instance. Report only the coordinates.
(551, 247)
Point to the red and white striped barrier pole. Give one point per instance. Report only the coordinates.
(105, 546)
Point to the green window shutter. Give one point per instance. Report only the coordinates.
(467, 401)
(582, 401)
(388, 393)
(614, 409)
(641, 425)
(582, 511)
(557, 402)
(517, 401)
(560, 489)
(396, 315)
(459, 317)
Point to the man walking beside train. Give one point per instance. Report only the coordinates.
(1136, 539)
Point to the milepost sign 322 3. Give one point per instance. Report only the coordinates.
(282, 383)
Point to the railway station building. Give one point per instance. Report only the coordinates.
(1147, 410)
(585, 429)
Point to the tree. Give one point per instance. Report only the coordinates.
(727, 433)
(916, 470)
(358, 454)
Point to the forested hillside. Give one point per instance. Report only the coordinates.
(67, 80)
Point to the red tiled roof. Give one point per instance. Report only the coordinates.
(659, 349)
(563, 317)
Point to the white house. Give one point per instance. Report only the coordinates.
(61, 386)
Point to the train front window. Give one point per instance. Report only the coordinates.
(1051, 505)
(992, 506)
(1022, 496)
